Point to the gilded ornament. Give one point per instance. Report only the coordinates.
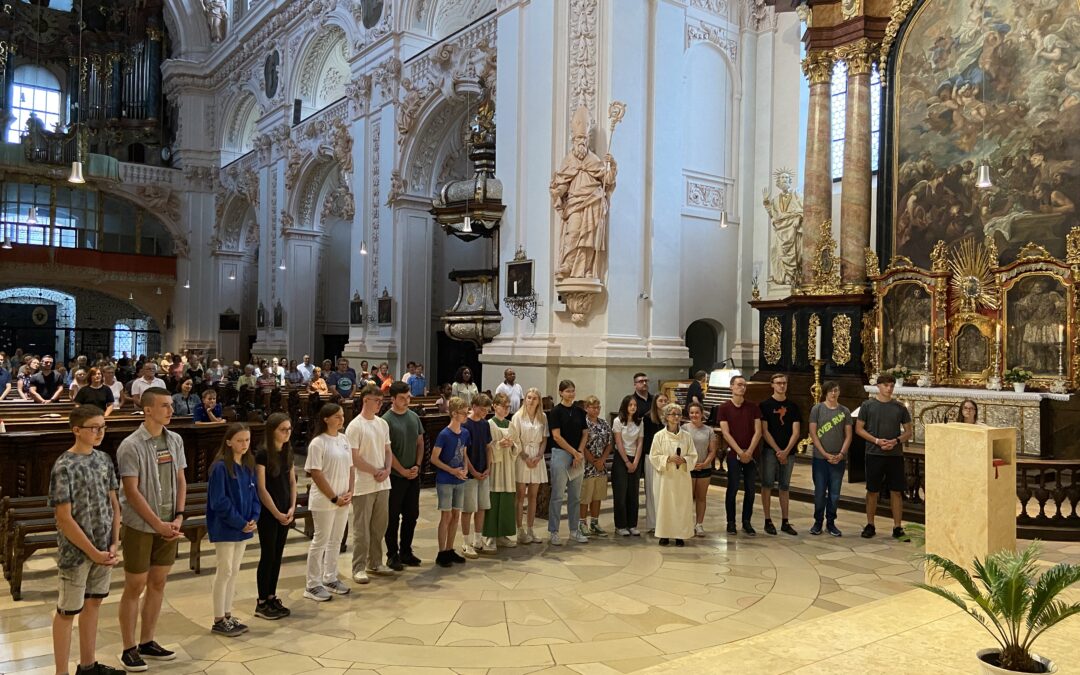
(841, 339)
(849, 9)
(794, 337)
(900, 262)
(858, 55)
(873, 265)
(1072, 246)
(811, 337)
(1031, 250)
(825, 270)
(896, 19)
(972, 282)
(990, 244)
(941, 360)
(772, 340)
(818, 66)
(938, 257)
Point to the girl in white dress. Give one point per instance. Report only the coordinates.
(672, 455)
(529, 431)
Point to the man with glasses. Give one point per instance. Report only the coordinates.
(740, 424)
(152, 464)
(642, 395)
(47, 385)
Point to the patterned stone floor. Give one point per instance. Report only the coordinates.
(613, 605)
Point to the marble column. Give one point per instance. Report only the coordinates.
(855, 191)
(817, 181)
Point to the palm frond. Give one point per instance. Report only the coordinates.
(1052, 582)
(975, 614)
(940, 566)
(1056, 612)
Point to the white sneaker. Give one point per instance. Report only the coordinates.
(579, 538)
(523, 536)
(487, 544)
(477, 542)
(583, 529)
(469, 551)
(699, 530)
(635, 532)
(533, 539)
(381, 570)
(361, 577)
(622, 532)
(554, 539)
(508, 542)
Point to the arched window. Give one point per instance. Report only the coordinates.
(838, 89)
(130, 336)
(37, 91)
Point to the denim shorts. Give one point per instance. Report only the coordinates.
(773, 472)
(451, 496)
(477, 495)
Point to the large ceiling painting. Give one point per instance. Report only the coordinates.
(995, 81)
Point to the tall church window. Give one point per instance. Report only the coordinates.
(838, 90)
(35, 91)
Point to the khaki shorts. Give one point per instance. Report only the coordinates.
(86, 580)
(593, 489)
(143, 550)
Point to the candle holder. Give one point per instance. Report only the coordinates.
(1058, 386)
(815, 394)
(993, 383)
(925, 380)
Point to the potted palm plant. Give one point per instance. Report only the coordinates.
(1009, 601)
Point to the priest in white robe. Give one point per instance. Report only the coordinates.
(672, 455)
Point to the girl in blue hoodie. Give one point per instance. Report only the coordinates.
(232, 511)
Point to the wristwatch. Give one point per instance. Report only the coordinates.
(333, 500)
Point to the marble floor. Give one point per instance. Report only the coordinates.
(755, 605)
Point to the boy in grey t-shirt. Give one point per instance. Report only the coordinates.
(82, 490)
(830, 432)
(885, 425)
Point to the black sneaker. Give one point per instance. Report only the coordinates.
(664, 541)
(833, 530)
(243, 628)
(731, 529)
(282, 609)
(152, 650)
(410, 560)
(815, 529)
(226, 628)
(454, 557)
(898, 533)
(98, 669)
(680, 542)
(868, 532)
(266, 610)
(786, 528)
(394, 563)
(749, 529)
(132, 662)
(443, 560)
(769, 527)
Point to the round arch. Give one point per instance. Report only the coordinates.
(322, 71)
(241, 117)
(234, 228)
(443, 17)
(189, 32)
(440, 132)
(712, 89)
(706, 341)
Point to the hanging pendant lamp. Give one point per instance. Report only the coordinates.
(983, 180)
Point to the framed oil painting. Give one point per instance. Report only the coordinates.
(906, 308)
(1036, 308)
(994, 81)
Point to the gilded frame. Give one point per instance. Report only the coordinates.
(958, 375)
(901, 273)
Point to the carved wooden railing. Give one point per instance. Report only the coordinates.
(1047, 494)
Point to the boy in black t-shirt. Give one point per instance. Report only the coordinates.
(781, 434)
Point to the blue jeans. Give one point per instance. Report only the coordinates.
(563, 489)
(737, 472)
(827, 480)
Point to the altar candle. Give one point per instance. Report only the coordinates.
(997, 333)
(1061, 332)
(817, 343)
(515, 286)
(926, 332)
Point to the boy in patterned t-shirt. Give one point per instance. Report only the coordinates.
(82, 489)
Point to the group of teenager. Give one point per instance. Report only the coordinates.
(488, 474)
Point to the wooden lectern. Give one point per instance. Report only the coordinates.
(970, 490)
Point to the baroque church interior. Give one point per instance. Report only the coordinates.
(839, 236)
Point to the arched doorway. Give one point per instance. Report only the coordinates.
(704, 340)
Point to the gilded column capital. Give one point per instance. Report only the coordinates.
(858, 55)
(818, 66)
